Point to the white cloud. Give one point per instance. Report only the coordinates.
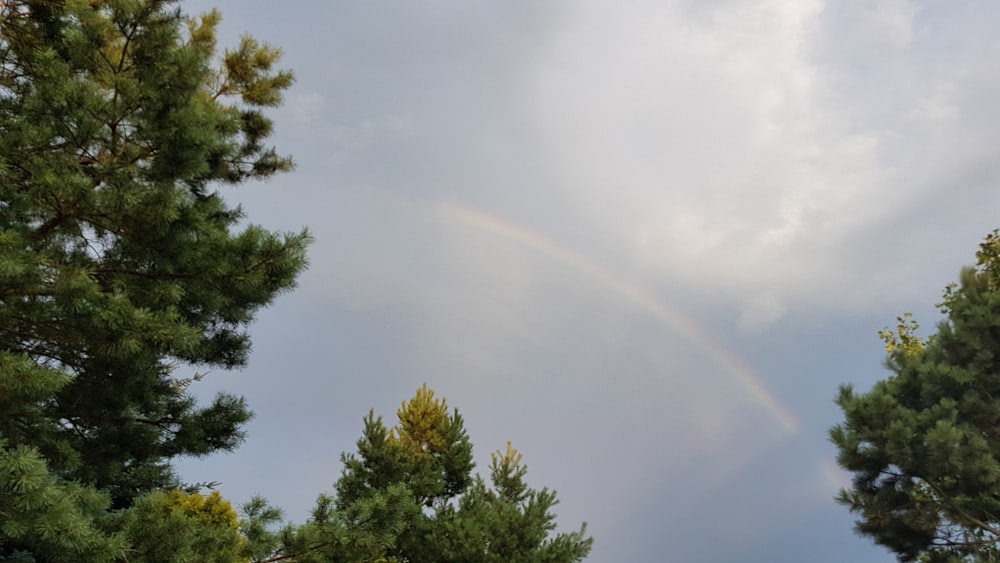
(699, 136)
(735, 149)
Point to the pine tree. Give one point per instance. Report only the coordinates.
(409, 495)
(924, 444)
(120, 263)
(170, 526)
(45, 518)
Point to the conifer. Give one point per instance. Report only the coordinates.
(409, 494)
(122, 269)
(924, 444)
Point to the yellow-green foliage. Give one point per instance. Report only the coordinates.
(510, 458)
(211, 509)
(169, 526)
(905, 338)
(422, 423)
(988, 257)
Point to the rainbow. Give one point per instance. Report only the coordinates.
(837, 477)
(631, 292)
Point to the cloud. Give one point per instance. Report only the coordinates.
(694, 135)
(734, 148)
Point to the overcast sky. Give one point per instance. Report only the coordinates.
(645, 241)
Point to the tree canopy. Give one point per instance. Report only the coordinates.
(119, 260)
(409, 495)
(924, 444)
(121, 266)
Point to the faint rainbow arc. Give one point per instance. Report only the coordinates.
(631, 292)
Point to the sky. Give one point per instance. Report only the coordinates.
(644, 241)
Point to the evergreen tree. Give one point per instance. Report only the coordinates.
(409, 495)
(924, 444)
(45, 518)
(119, 260)
(173, 526)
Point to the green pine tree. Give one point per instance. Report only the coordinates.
(408, 495)
(924, 444)
(121, 266)
(174, 526)
(45, 518)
